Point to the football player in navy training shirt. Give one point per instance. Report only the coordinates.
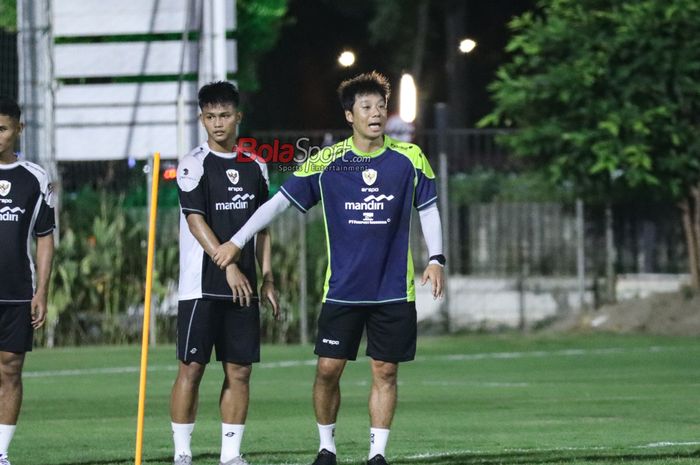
(219, 187)
(368, 186)
(26, 211)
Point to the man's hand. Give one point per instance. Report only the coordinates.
(38, 310)
(242, 292)
(225, 254)
(436, 276)
(268, 295)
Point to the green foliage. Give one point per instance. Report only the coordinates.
(259, 24)
(388, 27)
(486, 185)
(605, 94)
(285, 267)
(8, 15)
(99, 270)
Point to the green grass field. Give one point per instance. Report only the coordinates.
(586, 399)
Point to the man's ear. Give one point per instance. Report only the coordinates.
(239, 117)
(348, 117)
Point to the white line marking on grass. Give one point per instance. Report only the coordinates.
(655, 445)
(312, 362)
(428, 455)
(473, 383)
(541, 353)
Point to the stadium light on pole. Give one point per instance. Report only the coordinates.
(408, 96)
(346, 59)
(467, 45)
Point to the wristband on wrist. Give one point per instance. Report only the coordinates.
(438, 258)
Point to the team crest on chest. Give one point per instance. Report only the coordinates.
(369, 176)
(233, 176)
(5, 187)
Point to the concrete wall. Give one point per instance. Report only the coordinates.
(486, 302)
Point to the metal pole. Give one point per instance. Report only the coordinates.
(150, 175)
(218, 39)
(610, 257)
(580, 254)
(303, 284)
(441, 116)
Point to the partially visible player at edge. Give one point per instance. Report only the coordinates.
(219, 188)
(26, 209)
(368, 186)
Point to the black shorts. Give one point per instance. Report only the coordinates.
(232, 329)
(391, 331)
(16, 332)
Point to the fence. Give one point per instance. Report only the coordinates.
(505, 243)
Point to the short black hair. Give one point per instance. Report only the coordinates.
(9, 107)
(362, 84)
(218, 93)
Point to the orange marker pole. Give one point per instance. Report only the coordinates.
(147, 306)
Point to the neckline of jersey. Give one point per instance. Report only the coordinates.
(373, 154)
(9, 166)
(221, 154)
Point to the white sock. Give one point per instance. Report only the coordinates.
(378, 438)
(327, 435)
(6, 433)
(182, 437)
(231, 437)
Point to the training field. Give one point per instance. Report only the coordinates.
(585, 399)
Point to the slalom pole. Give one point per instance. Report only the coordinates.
(147, 306)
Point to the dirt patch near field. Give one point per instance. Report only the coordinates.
(673, 314)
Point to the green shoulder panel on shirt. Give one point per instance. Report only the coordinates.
(319, 161)
(413, 153)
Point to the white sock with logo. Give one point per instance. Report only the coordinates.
(378, 438)
(327, 435)
(6, 433)
(182, 437)
(231, 437)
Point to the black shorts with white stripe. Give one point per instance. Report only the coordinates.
(203, 324)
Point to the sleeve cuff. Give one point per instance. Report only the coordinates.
(426, 204)
(292, 200)
(45, 233)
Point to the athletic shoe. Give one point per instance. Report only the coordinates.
(377, 460)
(235, 461)
(325, 458)
(181, 460)
(4, 461)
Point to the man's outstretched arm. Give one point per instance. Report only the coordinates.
(432, 232)
(230, 251)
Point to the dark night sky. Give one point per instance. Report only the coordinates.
(299, 76)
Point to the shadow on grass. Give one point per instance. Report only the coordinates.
(465, 458)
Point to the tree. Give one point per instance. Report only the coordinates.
(606, 98)
(8, 15)
(259, 23)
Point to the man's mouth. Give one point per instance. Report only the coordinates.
(375, 125)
